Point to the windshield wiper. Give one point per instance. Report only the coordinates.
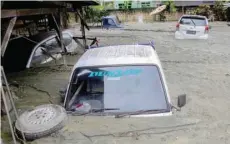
(78, 113)
(139, 112)
(193, 23)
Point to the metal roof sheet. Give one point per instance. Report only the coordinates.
(45, 4)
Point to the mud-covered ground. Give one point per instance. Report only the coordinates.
(199, 68)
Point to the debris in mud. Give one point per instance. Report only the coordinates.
(56, 68)
(21, 89)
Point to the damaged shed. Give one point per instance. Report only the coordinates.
(26, 19)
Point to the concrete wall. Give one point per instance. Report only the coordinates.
(135, 15)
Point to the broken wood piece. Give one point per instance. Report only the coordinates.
(7, 35)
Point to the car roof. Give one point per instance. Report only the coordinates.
(111, 16)
(119, 55)
(199, 16)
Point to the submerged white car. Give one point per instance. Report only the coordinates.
(192, 27)
(122, 80)
(108, 83)
(26, 52)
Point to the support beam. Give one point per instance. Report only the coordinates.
(94, 40)
(2, 2)
(79, 43)
(7, 35)
(82, 27)
(58, 30)
(80, 14)
(26, 12)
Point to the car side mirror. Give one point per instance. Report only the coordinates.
(181, 101)
(62, 93)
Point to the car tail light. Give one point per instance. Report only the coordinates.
(177, 26)
(206, 29)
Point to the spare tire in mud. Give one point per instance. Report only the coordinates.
(43, 120)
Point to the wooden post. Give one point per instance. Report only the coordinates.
(62, 43)
(183, 7)
(3, 78)
(7, 35)
(82, 28)
(59, 31)
(64, 18)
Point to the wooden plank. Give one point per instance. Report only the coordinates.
(2, 2)
(60, 37)
(7, 35)
(26, 12)
(81, 18)
(82, 27)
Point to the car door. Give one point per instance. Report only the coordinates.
(52, 46)
(45, 52)
(39, 57)
(70, 44)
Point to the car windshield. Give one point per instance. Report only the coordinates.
(193, 21)
(126, 88)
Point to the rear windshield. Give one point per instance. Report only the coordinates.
(193, 21)
(128, 88)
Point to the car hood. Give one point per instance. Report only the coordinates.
(101, 129)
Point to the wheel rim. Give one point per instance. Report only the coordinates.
(41, 116)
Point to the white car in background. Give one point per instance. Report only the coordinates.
(192, 27)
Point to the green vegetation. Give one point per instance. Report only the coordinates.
(221, 13)
(170, 8)
(95, 13)
(228, 14)
(6, 137)
(219, 10)
(204, 10)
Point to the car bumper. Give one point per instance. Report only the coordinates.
(179, 35)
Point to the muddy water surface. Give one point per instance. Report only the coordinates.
(199, 68)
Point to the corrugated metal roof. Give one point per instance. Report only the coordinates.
(45, 4)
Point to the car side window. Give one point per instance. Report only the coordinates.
(52, 45)
(38, 57)
(67, 39)
(111, 22)
(185, 21)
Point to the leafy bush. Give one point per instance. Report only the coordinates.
(228, 14)
(203, 10)
(95, 13)
(170, 6)
(219, 10)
